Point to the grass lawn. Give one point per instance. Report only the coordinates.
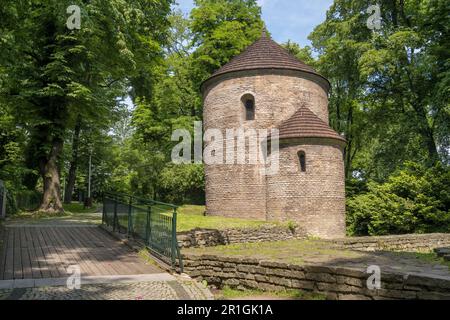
(289, 251)
(72, 212)
(191, 217)
(76, 207)
(226, 293)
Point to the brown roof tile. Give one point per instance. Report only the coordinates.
(264, 54)
(305, 124)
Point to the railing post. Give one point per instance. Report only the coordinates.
(174, 237)
(130, 223)
(148, 229)
(115, 214)
(180, 258)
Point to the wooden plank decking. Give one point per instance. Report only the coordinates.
(33, 252)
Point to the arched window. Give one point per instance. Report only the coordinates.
(302, 160)
(249, 105)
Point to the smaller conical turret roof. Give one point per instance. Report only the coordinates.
(305, 124)
(264, 54)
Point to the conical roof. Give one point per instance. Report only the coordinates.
(305, 124)
(264, 54)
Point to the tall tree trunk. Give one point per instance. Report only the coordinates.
(426, 130)
(73, 163)
(350, 142)
(431, 145)
(51, 200)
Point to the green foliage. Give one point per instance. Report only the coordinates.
(292, 225)
(222, 30)
(27, 199)
(215, 32)
(76, 207)
(389, 87)
(303, 54)
(12, 143)
(183, 183)
(58, 75)
(413, 200)
(389, 97)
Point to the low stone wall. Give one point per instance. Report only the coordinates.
(408, 242)
(209, 238)
(335, 282)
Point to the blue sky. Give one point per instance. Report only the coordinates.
(286, 19)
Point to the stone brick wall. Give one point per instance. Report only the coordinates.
(240, 190)
(337, 283)
(408, 242)
(315, 199)
(209, 238)
(278, 94)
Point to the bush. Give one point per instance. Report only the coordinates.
(11, 206)
(413, 200)
(183, 184)
(26, 199)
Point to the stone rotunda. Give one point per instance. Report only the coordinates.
(266, 87)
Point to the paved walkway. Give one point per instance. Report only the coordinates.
(37, 259)
(48, 252)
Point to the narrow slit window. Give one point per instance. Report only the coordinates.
(302, 161)
(249, 105)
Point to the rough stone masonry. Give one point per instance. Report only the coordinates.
(263, 88)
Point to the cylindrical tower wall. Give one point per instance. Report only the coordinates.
(315, 198)
(240, 190)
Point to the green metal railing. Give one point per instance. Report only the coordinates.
(153, 222)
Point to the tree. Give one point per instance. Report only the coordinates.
(384, 84)
(340, 41)
(222, 30)
(57, 75)
(183, 183)
(73, 162)
(12, 142)
(390, 98)
(303, 54)
(215, 32)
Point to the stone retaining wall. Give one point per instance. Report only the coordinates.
(408, 242)
(337, 283)
(209, 238)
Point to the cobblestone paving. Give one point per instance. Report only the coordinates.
(155, 290)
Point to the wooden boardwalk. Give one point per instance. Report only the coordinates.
(32, 252)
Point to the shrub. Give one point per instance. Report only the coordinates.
(183, 184)
(413, 200)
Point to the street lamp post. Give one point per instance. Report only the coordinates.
(88, 201)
